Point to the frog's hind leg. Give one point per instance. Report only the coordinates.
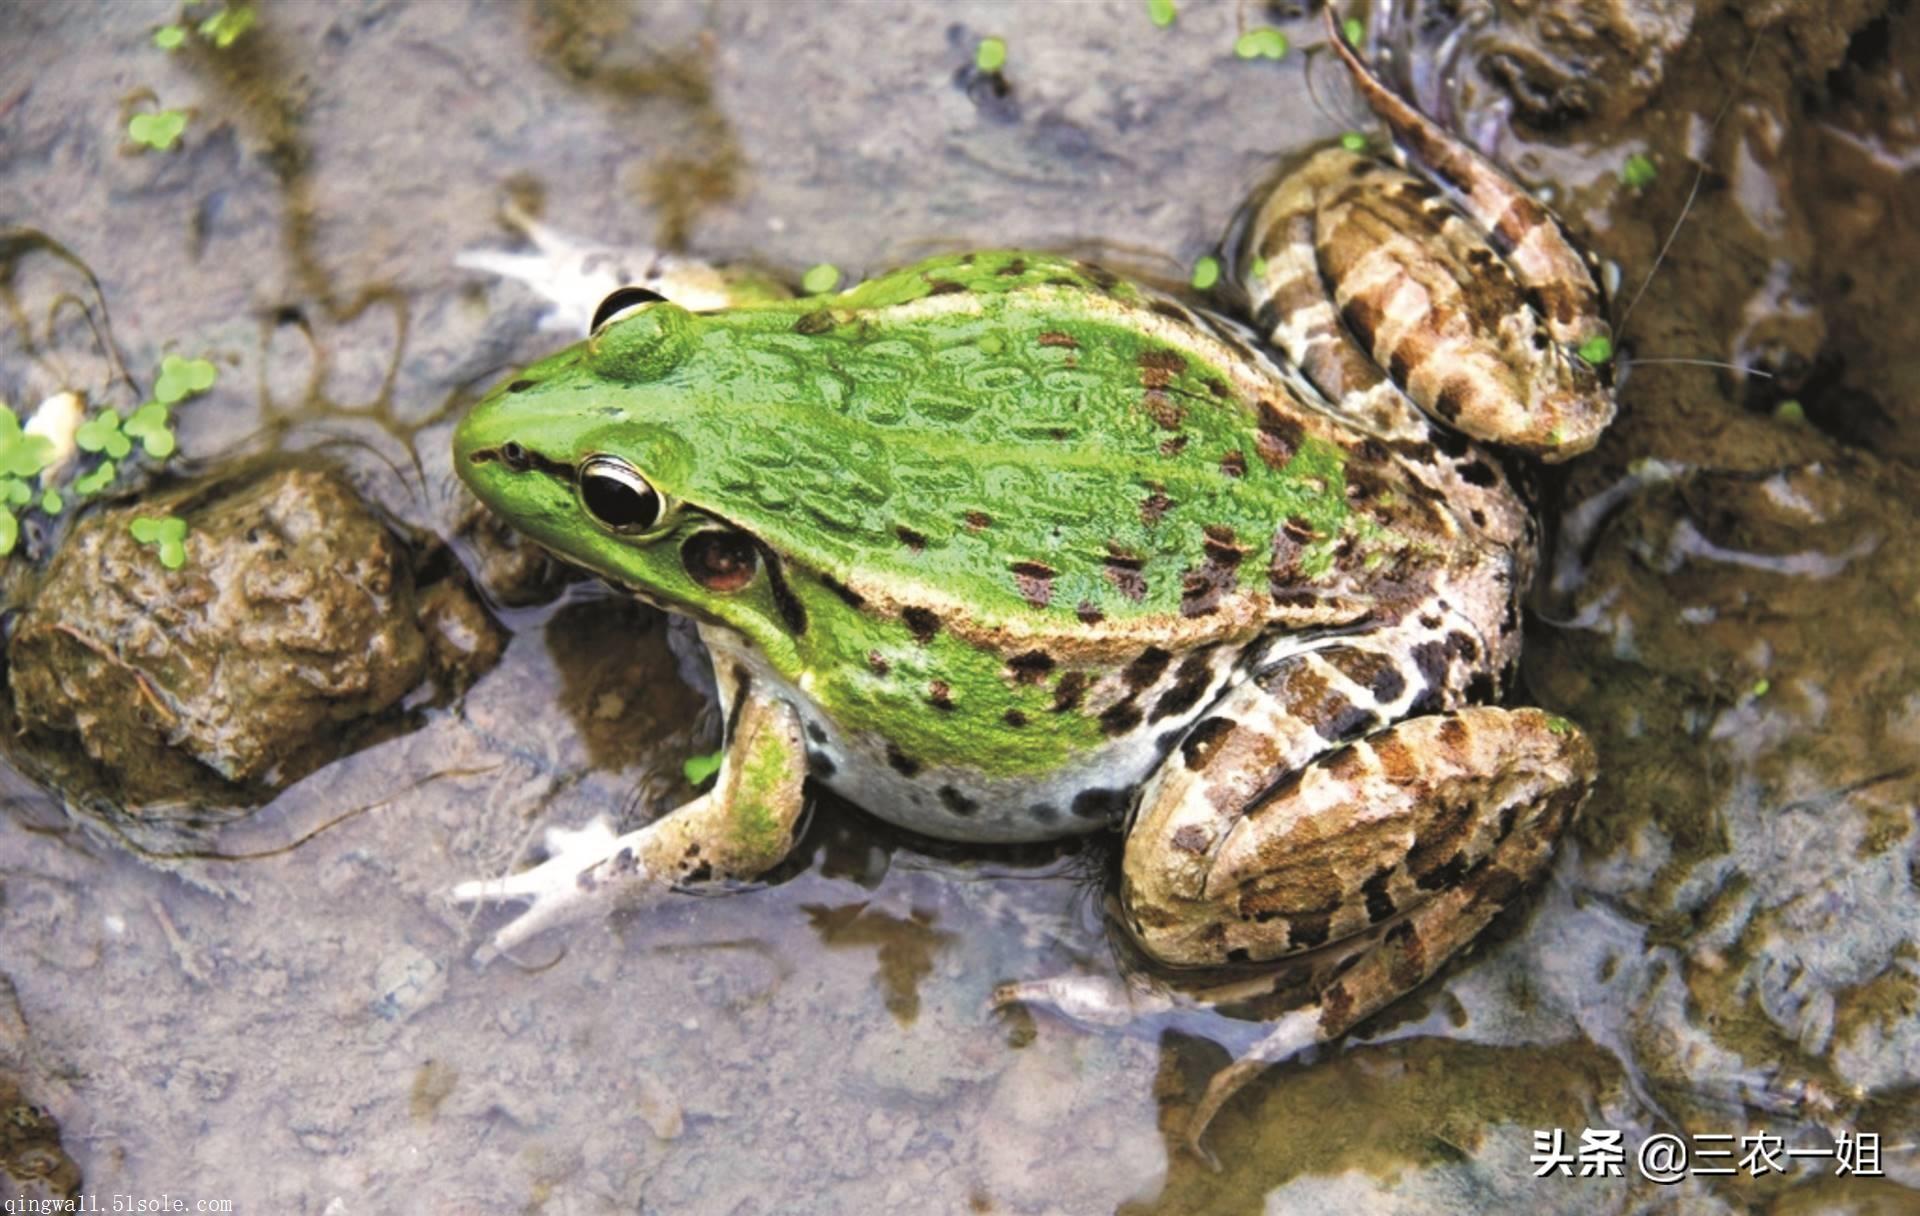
(738, 830)
(1369, 867)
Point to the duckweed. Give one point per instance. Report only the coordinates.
(170, 37)
(820, 279)
(167, 534)
(1161, 12)
(159, 130)
(1638, 172)
(1354, 141)
(1206, 272)
(1263, 43)
(991, 55)
(1596, 350)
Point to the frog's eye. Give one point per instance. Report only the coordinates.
(623, 301)
(615, 494)
(720, 560)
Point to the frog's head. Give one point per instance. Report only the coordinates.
(593, 451)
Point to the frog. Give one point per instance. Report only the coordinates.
(1003, 546)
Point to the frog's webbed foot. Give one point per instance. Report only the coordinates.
(1366, 868)
(583, 866)
(574, 276)
(738, 830)
(1091, 1000)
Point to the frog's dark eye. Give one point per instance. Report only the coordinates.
(720, 560)
(619, 304)
(615, 494)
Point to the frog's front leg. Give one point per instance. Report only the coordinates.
(737, 830)
(1382, 859)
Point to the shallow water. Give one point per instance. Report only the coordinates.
(293, 1024)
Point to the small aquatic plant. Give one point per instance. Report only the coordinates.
(1638, 172)
(1263, 43)
(820, 279)
(34, 457)
(1206, 272)
(159, 129)
(167, 534)
(1160, 12)
(991, 54)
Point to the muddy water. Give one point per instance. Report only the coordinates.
(283, 1013)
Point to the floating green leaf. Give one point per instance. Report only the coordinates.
(14, 492)
(167, 534)
(1762, 686)
(1259, 268)
(1354, 141)
(9, 532)
(158, 130)
(1265, 42)
(1353, 30)
(170, 37)
(820, 279)
(699, 768)
(149, 426)
(1596, 350)
(1790, 410)
(52, 503)
(94, 482)
(182, 378)
(1206, 272)
(21, 454)
(991, 54)
(224, 28)
(1160, 12)
(1638, 172)
(101, 433)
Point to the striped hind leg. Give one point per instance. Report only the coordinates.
(1372, 865)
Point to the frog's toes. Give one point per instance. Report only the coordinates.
(580, 865)
(1287, 1037)
(1092, 1000)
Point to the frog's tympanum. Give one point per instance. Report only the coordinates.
(1002, 547)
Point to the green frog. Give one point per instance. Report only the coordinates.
(1004, 547)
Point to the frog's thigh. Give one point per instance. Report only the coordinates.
(745, 824)
(1432, 821)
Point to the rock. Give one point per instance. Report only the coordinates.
(290, 627)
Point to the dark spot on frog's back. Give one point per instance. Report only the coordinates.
(921, 623)
(1124, 573)
(1088, 613)
(956, 801)
(1119, 719)
(1233, 464)
(1278, 437)
(1017, 266)
(1031, 667)
(944, 287)
(978, 521)
(1034, 581)
(1054, 337)
(853, 598)
(1067, 693)
(940, 695)
(819, 321)
(1159, 367)
(1099, 276)
(914, 541)
(1152, 508)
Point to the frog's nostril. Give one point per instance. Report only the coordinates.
(519, 386)
(515, 457)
